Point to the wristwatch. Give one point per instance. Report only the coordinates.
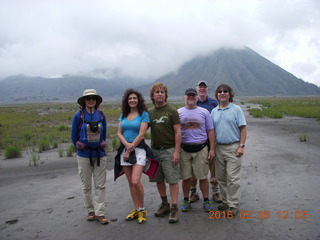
(242, 145)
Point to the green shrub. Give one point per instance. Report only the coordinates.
(27, 136)
(63, 128)
(115, 144)
(43, 144)
(60, 152)
(34, 158)
(71, 149)
(147, 135)
(55, 145)
(12, 152)
(303, 138)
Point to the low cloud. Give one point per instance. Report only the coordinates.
(146, 39)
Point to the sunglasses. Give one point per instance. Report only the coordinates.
(224, 91)
(90, 98)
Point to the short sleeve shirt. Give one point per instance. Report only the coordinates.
(194, 124)
(227, 122)
(130, 129)
(162, 120)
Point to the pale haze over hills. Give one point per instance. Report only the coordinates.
(246, 71)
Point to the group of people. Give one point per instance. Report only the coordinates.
(186, 143)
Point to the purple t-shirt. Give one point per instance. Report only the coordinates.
(194, 124)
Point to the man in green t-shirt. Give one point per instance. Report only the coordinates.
(165, 142)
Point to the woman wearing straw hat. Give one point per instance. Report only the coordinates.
(89, 128)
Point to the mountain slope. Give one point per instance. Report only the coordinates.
(246, 71)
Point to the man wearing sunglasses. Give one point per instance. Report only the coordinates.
(231, 133)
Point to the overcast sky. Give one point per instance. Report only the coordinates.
(149, 38)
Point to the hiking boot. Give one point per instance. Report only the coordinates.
(91, 216)
(207, 206)
(142, 216)
(234, 211)
(194, 196)
(163, 210)
(223, 206)
(102, 220)
(174, 215)
(132, 215)
(216, 197)
(186, 206)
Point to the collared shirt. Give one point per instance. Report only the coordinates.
(208, 104)
(227, 122)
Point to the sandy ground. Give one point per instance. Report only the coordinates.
(279, 174)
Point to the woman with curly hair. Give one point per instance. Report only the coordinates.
(134, 121)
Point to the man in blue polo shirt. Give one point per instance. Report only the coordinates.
(208, 103)
(231, 133)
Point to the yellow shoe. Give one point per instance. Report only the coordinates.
(142, 216)
(133, 215)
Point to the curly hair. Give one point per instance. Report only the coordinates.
(158, 85)
(125, 108)
(224, 86)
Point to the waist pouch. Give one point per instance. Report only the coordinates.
(82, 146)
(193, 147)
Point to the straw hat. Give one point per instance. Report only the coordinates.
(89, 92)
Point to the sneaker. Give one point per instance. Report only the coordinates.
(186, 206)
(216, 197)
(132, 215)
(207, 206)
(223, 206)
(102, 220)
(91, 216)
(194, 196)
(234, 211)
(174, 215)
(142, 216)
(163, 210)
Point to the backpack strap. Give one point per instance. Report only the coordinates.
(80, 123)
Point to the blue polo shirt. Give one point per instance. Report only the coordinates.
(208, 104)
(227, 122)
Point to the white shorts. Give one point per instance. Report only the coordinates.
(141, 157)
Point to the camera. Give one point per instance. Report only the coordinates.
(94, 126)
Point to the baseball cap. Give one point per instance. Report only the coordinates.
(191, 91)
(202, 82)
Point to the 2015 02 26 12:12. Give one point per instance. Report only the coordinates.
(259, 215)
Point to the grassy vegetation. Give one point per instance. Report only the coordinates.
(307, 107)
(43, 125)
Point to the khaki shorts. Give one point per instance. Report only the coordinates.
(167, 171)
(194, 164)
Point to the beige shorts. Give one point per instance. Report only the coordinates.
(194, 164)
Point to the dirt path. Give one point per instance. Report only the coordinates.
(279, 174)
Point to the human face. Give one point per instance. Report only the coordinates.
(159, 97)
(223, 95)
(190, 100)
(202, 90)
(90, 101)
(133, 100)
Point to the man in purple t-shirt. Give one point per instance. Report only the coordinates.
(197, 130)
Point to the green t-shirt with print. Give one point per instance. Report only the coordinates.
(162, 120)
